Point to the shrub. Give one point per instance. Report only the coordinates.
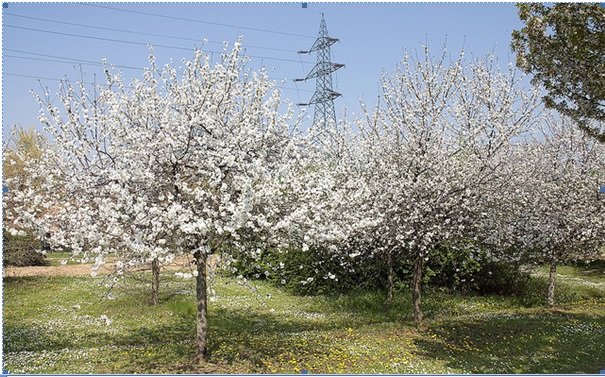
(468, 267)
(311, 271)
(462, 266)
(21, 251)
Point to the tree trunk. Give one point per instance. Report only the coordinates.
(155, 280)
(551, 284)
(416, 290)
(201, 341)
(390, 278)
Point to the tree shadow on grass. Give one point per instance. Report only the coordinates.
(545, 342)
(243, 339)
(367, 308)
(238, 342)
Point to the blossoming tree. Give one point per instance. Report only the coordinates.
(434, 148)
(553, 210)
(183, 161)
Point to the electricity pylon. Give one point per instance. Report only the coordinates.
(324, 96)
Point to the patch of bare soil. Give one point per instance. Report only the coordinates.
(66, 270)
(82, 269)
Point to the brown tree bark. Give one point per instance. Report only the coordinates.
(550, 298)
(390, 278)
(201, 338)
(416, 290)
(155, 280)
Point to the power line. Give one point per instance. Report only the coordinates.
(48, 56)
(97, 38)
(199, 21)
(137, 32)
(64, 60)
(92, 83)
(69, 60)
(42, 78)
(141, 43)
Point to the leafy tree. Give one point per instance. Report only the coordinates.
(25, 146)
(563, 45)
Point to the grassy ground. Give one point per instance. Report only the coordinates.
(57, 258)
(68, 325)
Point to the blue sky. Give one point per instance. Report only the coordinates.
(372, 39)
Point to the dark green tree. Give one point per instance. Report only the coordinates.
(563, 46)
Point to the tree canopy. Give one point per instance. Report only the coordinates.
(563, 45)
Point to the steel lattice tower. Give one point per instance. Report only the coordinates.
(323, 98)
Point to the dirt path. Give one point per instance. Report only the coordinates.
(66, 270)
(80, 269)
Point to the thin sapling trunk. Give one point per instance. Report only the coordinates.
(390, 278)
(552, 274)
(416, 290)
(155, 280)
(201, 338)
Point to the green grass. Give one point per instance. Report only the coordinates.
(54, 325)
(591, 272)
(55, 258)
